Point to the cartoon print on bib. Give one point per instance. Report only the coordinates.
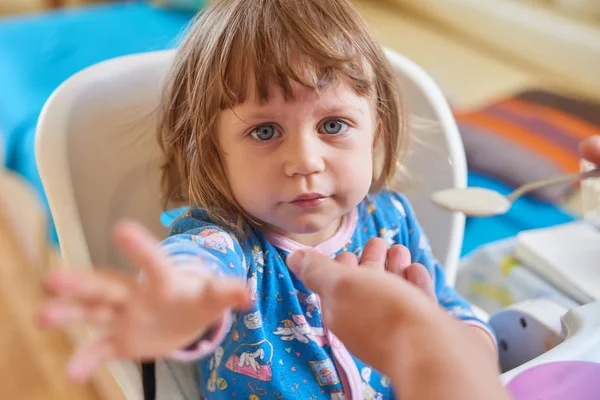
(299, 329)
(253, 286)
(253, 360)
(214, 381)
(370, 392)
(258, 258)
(325, 372)
(257, 391)
(399, 206)
(310, 301)
(215, 240)
(388, 235)
(252, 320)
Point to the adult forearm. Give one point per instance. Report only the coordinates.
(442, 359)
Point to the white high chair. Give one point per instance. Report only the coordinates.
(99, 162)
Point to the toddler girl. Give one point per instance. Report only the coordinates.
(282, 127)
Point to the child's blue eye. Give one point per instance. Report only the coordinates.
(333, 126)
(264, 132)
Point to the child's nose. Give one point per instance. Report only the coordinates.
(303, 156)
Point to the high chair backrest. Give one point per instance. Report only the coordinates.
(99, 160)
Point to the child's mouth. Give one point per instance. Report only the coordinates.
(309, 200)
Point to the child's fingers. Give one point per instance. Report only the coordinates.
(92, 287)
(223, 293)
(61, 312)
(142, 249)
(399, 259)
(418, 275)
(374, 254)
(89, 357)
(348, 259)
(100, 316)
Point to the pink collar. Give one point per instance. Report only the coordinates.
(329, 247)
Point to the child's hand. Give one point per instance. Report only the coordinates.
(396, 260)
(138, 318)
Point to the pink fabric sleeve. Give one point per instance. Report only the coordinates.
(207, 344)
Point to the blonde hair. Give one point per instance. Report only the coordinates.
(314, 43)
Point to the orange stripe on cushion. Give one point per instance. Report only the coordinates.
(523, 137)
(571, 125)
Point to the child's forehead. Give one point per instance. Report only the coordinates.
(332, 96)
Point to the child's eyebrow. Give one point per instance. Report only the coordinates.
(322, 109)
(265, 112)
(256, 115)
(249, 117)
(342, 108)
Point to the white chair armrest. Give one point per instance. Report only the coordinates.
(581, 333)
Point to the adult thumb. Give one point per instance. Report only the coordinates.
(315, 270)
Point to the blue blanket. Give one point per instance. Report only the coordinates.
(38, 52)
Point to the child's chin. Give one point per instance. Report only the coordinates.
(310, 225)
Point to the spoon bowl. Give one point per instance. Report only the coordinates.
(472, 201)
(481, 202)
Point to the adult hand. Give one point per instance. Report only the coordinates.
(392, 325)
(396, 259)
(590, 149)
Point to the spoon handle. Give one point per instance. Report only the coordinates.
(547, 182)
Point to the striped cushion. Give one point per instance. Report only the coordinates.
(534, 135)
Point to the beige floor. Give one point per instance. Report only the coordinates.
(469, 74)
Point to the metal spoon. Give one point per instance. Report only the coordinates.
(481, 202)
